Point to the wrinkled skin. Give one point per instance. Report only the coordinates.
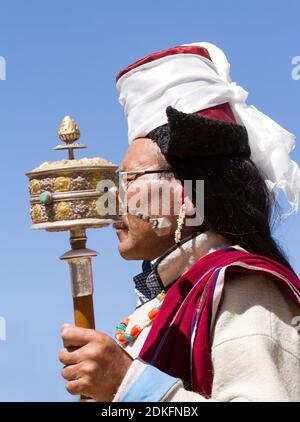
(94, 364)
(138, 240)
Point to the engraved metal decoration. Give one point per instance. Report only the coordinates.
(63, 193)
(69, 133)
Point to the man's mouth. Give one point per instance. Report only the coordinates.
(120, 225)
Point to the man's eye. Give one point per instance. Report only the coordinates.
(130, 178)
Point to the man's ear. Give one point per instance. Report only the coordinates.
(190, 208)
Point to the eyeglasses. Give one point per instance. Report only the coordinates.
(134, 174)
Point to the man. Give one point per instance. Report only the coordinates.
(218, 301)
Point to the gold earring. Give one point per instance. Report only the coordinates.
(180, 222)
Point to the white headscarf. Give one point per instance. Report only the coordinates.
(190, 83)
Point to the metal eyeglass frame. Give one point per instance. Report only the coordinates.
(139, 173)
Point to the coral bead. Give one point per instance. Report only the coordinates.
(135, 331)
(131, 335)
(153, 313)
(122, 339)
(125, 321)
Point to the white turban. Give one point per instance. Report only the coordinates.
(192, 82)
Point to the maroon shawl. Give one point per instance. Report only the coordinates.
(179, 340)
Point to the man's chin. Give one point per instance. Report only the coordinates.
(128, 252)
(126, 248)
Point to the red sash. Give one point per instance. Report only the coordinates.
(179, 340)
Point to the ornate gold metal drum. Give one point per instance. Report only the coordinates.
(65, 194)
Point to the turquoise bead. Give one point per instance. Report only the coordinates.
(121, 327)
(129, 338)
(45, 197)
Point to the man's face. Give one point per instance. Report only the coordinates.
(137, 239)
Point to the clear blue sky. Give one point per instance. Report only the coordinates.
(62, 58)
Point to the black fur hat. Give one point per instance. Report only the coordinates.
(193, 136)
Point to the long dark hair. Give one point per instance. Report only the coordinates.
(237, 201)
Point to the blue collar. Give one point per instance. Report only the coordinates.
(148, 283)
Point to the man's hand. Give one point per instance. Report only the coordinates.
(95, 363)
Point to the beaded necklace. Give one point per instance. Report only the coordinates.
(124, 337)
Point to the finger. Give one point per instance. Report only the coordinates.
(66, 324)
(76, 387)
(76, 337)
(69, 356)
(71, 372)
(91, 351)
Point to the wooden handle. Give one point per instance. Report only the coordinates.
(84, 318)
(84, 311)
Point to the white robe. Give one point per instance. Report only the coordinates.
(255, 338)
